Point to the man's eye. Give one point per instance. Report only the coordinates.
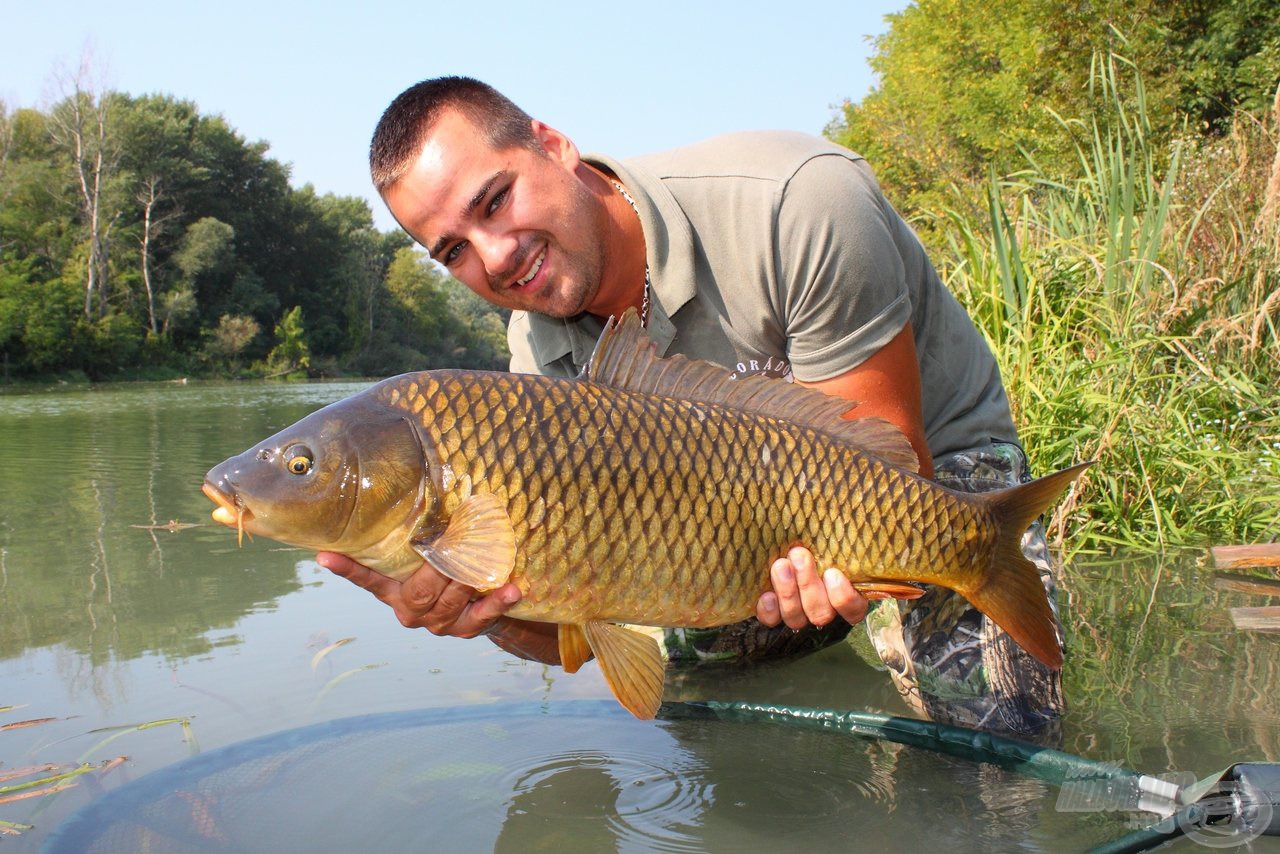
(498, 199)
(454, 253)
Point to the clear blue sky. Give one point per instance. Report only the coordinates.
(312, 79)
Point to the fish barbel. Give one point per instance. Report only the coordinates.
(648, 491)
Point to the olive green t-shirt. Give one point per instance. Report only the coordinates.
(776, 252)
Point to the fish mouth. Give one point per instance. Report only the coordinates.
(230, 510)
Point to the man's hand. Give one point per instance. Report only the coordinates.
(800, 598)
(428, 599)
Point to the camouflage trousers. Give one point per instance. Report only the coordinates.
(949, 662)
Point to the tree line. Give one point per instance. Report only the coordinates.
(142, 239)
(963, 87)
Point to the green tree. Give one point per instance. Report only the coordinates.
(35, 219)
(194, 224)
(177, 310)
(230, 338)
(964, 86)
(417, 290)
(38, 320)
(291, 352)
(206, 259)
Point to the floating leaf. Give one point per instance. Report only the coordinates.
(125, 729)
(16, 773)
(43, 781)
(22, 724)
(171, 525)
(315, 659)
(329, 686)
(36, 794)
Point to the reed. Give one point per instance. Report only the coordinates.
(1133, 308)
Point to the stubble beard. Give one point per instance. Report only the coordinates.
(582, 271)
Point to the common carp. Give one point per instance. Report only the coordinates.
(647, 491)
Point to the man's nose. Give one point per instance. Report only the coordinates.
(497, 251)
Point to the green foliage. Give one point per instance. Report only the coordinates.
(37, 320)
(963, 86)
(1117, 345)
(432, 321)
(112, 342)
(197, 224)
(292, 352)
(1114, 235)
(177, 309)
(207, 249)
(230, 338)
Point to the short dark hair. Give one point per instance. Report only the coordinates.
(403, 128)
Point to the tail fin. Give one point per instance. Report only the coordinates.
(1012, 594)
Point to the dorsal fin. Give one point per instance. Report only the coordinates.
(626, 359)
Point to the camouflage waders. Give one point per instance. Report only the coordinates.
(946, 658)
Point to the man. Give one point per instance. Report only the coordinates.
(762, 252)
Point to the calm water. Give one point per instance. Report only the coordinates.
(106, 626)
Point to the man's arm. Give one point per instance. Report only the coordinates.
(886, 385)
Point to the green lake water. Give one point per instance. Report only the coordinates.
(106, 625)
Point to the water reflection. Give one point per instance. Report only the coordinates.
(80, 471)
(1159, 677)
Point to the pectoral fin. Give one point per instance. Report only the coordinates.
(478, 548)
(574, 648)
(632, 665)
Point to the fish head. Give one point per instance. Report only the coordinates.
(349, 478)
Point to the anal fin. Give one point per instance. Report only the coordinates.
(574, 648)
(888, 590)
(632, 665)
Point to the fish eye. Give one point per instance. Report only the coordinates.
(300, 459)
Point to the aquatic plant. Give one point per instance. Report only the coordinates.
(1133, 308)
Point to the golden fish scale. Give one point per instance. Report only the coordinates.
(640, 509)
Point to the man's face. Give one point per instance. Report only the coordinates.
(515, 225)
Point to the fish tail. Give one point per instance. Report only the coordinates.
(1011, 593)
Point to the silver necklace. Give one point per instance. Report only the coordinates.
(648, 286)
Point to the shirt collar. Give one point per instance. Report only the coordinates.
(669, 252)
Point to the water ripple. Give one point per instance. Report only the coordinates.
(641, 803)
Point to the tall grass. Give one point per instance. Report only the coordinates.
(1133, 309)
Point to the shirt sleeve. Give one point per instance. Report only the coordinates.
(841, 270)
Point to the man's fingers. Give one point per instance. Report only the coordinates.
(847, 601)
(421, 591)
(813, 593)
(428, 599)
(480, 615)
(767, 609)
(801, 597)
(783, 576)
(375, 582)
(444, 613)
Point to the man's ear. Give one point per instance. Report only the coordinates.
(557, 146)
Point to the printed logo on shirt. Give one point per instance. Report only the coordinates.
(771, 366)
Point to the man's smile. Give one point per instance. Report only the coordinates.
(521, 284)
